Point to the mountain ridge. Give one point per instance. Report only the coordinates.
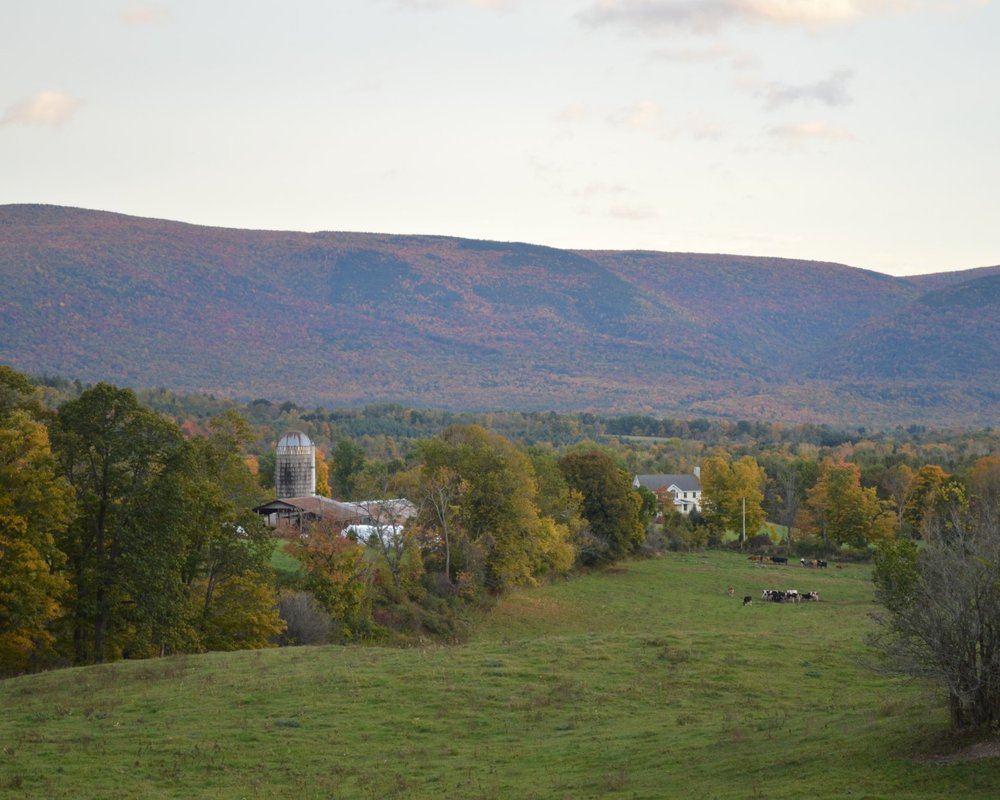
(345, 318)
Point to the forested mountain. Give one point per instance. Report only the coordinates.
(345, 318)
(948, 333)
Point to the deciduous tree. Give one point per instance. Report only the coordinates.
(793, 480)
(496, 509)
(733, 494)
(35, 507)
(984, 489)
(126, 542)
(243, 616)
(845, 512)
(438, 488)
(224, 540)
(348, 462)
(924, 496)
(337, 574)
(611, 506)
(942, 603)
(897, 482)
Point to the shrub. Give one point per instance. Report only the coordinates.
(306, 620)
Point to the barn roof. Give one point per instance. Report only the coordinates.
(312, 505)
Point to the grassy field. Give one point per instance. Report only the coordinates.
(281, 560)
(648, 681)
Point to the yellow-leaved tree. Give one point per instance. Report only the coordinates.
(733, 494)
(35, 504)
(844, 511)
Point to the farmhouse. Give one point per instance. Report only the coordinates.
(683, 491)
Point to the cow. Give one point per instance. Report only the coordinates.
(757, 559)
(731, 591)
(779, 560)
(821, 563)
(747, 600)
(813, 564)
(788, 596)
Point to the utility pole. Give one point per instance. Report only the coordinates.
(743, 538)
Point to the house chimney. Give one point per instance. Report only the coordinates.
(697, 472)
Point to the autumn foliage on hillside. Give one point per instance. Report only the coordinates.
(456, 323)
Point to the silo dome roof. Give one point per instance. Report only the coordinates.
(295, 439)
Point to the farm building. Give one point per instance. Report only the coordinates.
(297, 502)
(683, 491)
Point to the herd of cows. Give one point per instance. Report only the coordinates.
(816, 563)
(786, 595)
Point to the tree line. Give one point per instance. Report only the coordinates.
(120, 537)
(123, 536)
(127, 531)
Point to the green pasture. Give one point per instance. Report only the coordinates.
(646, 681)
(281, 561)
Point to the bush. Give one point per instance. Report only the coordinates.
(657, 541)
(695, 538)
(683, 540)
(306, 620)
(411, 621)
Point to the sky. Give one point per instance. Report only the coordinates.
(865, 132)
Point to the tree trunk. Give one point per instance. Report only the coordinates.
(78, 616)
(960, 717)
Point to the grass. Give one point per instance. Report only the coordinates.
(282, 561)
(647, 681)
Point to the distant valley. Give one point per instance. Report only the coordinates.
(349, 318)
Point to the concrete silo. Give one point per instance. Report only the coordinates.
(295, 466)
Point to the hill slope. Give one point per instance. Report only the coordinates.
(947, 333)
(349, 318)
(604, 686)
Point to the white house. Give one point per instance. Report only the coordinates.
(685, 489)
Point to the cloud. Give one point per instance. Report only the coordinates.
(140, 14)
(708, 16)
(645, 116)
(433, 5)
(802, 132)
(630, 213)
(737, 59)
(45, 108)
(702, 127)
(831, 91)
(573, 114)
(598, 188)
(546, 170)
(648, 117)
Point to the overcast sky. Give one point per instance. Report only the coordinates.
(860, 131)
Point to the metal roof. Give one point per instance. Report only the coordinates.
(294, 439)
(685, 483)
(315, 505)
